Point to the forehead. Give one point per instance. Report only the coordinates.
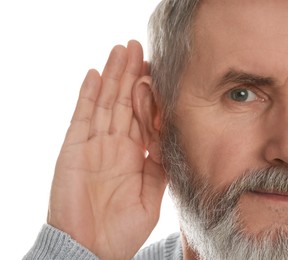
(252, 33)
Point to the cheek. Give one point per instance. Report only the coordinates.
(229, 158)
(221, 152)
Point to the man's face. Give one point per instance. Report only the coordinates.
(232, 112)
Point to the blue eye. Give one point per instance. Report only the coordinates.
(242, 95)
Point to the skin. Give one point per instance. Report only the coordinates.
(222, 137)
(104, 188)
(106, 194)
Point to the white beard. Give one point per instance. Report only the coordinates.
(210, 220)
(226, 241)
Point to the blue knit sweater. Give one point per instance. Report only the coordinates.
(57, 245)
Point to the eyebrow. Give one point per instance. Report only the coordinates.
(240, 77)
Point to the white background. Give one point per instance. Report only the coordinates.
(46, 47)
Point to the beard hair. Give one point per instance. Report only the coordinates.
(210, 219)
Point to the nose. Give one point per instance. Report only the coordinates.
(276, 145)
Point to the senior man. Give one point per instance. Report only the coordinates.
(212, 112)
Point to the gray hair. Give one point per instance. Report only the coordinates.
(170, 36)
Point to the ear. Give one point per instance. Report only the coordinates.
(148, 116)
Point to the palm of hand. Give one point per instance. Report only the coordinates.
(105, 193)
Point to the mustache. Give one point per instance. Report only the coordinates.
(220, 205)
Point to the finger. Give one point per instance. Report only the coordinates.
(111, 77)
(145, 69)
(122, 110)
(81, 120)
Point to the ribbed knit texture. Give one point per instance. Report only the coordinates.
(166, 249)
(57, 245)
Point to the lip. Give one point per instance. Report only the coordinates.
(272, 195)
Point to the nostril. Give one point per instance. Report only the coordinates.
(279, 162)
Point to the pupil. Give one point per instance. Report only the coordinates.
(240, 95)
